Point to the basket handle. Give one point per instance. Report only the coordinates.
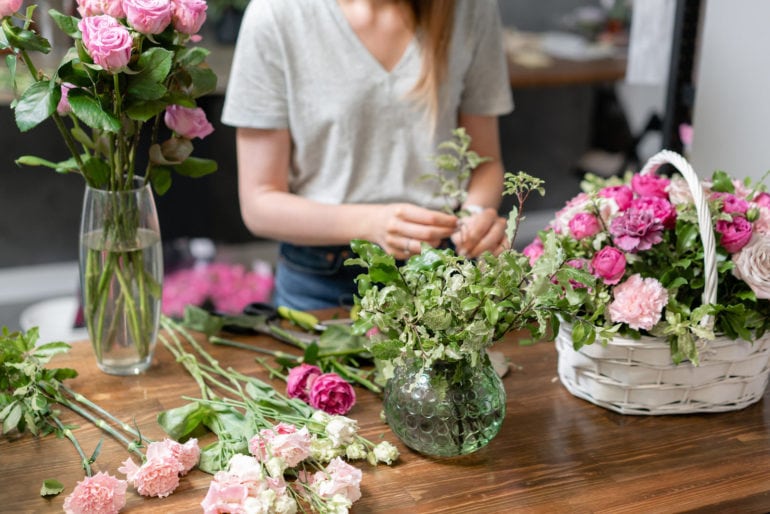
(704, 219)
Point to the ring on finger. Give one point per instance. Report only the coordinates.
(407, 245)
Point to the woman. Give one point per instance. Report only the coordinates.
(339, 104)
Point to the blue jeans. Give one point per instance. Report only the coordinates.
(314, 277)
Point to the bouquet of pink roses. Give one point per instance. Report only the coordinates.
(639, 242)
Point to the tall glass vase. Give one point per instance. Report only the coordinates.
(121, 274)
(447, 408)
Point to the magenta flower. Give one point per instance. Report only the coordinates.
(662, 210)
(763, 200)
(584, 224)
(734, 234)
(107, 41)
(609, 264)
(638, 302)
(148, 16)
(650, 185)
(8, 7)
(189, 15)
(636, 230)
(300, 380)
(533, 250)
(332, 394)
(188, 123)
(101, 493)
(621, 194)
(731, 204)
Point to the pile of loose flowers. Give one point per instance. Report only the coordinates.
(637, 238)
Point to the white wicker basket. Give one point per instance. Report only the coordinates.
(638, 376)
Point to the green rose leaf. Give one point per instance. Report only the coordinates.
(89, 111)
(196, 167)
(67, 24)
(51, 487)
(153, 67)
(24, 39)
(96, 172)
(182, 421)
(34, 106)
(160, 178)
(190, 57)
(143, 110)
(204, 81)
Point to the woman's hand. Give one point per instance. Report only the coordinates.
(479, 232)
(401, 228)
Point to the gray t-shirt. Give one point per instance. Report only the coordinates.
(357, 137)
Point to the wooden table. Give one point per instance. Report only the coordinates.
(554, 453)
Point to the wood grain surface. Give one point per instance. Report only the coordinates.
(554, 453)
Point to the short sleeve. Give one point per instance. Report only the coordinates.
(487, 89)
(256, 89)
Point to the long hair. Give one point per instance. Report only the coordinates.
(434, 22)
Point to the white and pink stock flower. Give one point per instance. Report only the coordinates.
(339, 478)
(283, 441)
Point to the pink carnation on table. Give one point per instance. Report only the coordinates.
(731, 204)
(636, 230)
(300, 379)
(186, 454)
(621, 194)
(101, 493)
(158, 476)
(752, 265)
(735, 234)
(638, 302)
(339, 477)
(188, 122)
(332, 394)
(8, 7)
(148, 16)
(584, 224)
(189, 15)
(650, 185)
(107, 41)
(609, 264)
(662, 210)
(534, 250)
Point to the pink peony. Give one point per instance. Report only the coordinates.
(650, 185)
(339, 477)
(621, 194)
(638, 302)
(187, 122)
(533, 250)
(731, 204)
(8, 7)
(107, 41)
(189, 15)
(636, 230)
(735, 234)
(662, 210)
(186, 454)
(63, 107)
(609, 264)
(158, 476)
(752, 265)
(584, 224)
(332, 394)
(101, 493)
(149, 16)
(300, 380)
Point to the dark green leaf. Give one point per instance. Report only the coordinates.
(311, 354)
(204, 81)
(97, 172)
(67, 24)
(721, 182)
(153, 67)
(89, 111)
(192, 56)
(144, 110)
(35, 105)
(48, 350)
(202, 321)
(24, 39)
(160, 178)
(196, 167)
(182, 421)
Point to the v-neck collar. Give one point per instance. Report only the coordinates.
(361, 48)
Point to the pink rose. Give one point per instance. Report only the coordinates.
(149, 16)
(752, 265)
(621, 194)
(187, 122)
(609, 264)
(735, 234)
(8, 7)
(63, 108)
(339, 477)
(636, 230)
(99, 493)
(650, 185)
(158, 476)
(300, 380)
(584, 224)
(96, 7)
(638, 302)
(731, 204)
(533, 250)
(189, 15)
(662, 210)
(107, 41)
(332, 394)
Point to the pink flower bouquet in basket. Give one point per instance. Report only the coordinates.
(677, 289)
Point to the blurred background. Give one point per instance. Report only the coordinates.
(599, 86)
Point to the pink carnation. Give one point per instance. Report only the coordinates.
(332, 394)
(101, 493)
(8, 7)
(533, 250)
(735, 234)
(158, 476)
(638, 302)
(584, 224)
(609, 264)
(189, 15)
(186, 454)
(621, 194)
(187, 122)
(107, 41)
(148, 16)
(300, 380)
(662, 210)
(636, 230)
(650, 185)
